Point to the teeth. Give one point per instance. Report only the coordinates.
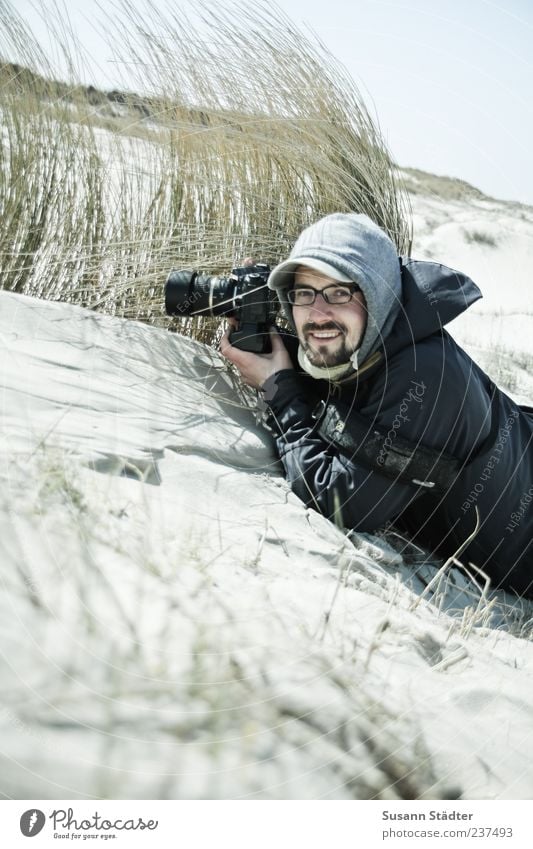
(325, 334)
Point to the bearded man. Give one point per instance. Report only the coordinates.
(379, 416)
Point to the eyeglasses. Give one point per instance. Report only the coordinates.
(334, 294)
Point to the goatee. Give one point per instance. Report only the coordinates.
(322, 355)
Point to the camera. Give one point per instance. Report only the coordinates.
(243, 295)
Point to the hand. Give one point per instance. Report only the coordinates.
(256, 368)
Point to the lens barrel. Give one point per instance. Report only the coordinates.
(190, 293)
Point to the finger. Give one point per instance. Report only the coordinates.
(225, 344)
(231, 353)
(277, 341)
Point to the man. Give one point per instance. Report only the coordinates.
(380, 417)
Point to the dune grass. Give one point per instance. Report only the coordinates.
(242, 132)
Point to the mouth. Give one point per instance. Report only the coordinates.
(324, 335)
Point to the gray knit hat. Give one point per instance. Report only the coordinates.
(349, 247)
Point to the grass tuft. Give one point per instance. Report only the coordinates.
(477, 237)
(226, 152)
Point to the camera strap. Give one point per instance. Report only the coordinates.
(386, 453)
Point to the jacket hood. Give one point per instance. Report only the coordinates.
(354, 248)
(432, 296)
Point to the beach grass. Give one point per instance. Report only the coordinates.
(215, 152)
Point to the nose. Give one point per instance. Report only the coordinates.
(320, 308)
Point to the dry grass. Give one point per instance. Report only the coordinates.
(447, 188)
(227, 152)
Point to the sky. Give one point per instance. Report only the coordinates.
(449, 82)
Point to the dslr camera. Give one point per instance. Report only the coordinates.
(243, 295)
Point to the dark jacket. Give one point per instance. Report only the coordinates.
(425, 389)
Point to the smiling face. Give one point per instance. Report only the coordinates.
(328, 333)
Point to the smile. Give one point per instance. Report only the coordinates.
(324, 334)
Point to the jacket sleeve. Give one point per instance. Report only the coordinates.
(442, 411)
(343, 491)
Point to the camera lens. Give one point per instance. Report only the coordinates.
(189, 293)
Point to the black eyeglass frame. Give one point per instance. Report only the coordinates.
(352, 287)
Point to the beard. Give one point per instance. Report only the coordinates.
(332, 352)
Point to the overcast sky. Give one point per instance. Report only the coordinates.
(451, 82)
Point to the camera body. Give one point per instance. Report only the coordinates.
(243, 295)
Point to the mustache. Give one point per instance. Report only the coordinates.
(310, 326)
